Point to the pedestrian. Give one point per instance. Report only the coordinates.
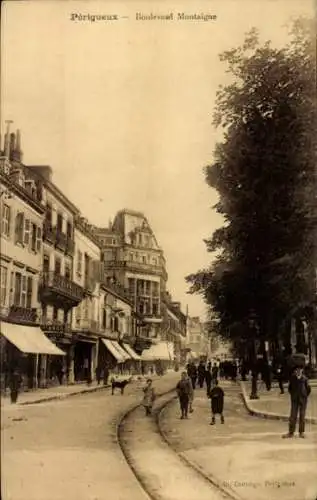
(280, 377)
(105, 375)
(15, 384)
(214, 372)
(98, 374)
(184, 390)
(299, 390)
(192, 373)
(208, 378)
(217, 400)
(149, 397)
(201, 374)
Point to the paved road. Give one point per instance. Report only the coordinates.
(66, 450)
(246, 455)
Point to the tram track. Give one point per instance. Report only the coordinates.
(160, 470)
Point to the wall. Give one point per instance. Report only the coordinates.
(23, 257)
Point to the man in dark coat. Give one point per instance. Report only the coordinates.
(15, 384)
(201, 374)
(299, 390)
(192, 373)
(217, 399)
(208, 378)
(184, 390)
(214, 372)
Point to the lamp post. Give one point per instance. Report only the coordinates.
(253, 330)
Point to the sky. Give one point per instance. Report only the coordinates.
(122, 110)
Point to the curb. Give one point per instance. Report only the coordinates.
(62, 396)
(267, 415)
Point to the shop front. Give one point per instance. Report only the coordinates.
(112, 356)
(22, 348)
(57, 370)
(85, 357)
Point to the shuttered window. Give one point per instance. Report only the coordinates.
(19, 227)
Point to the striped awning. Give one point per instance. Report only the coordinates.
(131, 352)
(112, 348)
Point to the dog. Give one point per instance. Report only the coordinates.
(119, 384)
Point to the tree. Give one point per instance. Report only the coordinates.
(264, 172)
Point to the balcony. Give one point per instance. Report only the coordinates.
(129, 265)
(57, 288)
(87, 325)
(55, 327)
(49, 232)
(18, 314)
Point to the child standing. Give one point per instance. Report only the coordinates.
(149, 397)
(217, 398)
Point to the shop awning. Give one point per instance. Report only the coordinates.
(123, 353)
(163, 351)
(131, 352)
(111, 345)
(29, 339)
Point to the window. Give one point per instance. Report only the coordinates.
(49, 212)
(79, 262)
(46, 263)
(58, 265)
(3, 287)
(55, 313)
(33, 237)
(23, 291)
(11, 291)
(69, 231)
(29, 290)
(144, 259)
(67, 270)
(5, 220)
(59, 223)
(17, 288)
(131, 256)
(27, 229)
(154, 261)
(19, 226)
(38, 239)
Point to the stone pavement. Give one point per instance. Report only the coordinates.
(60, 392)
(67, 450)
(272, 404)
(246, 456)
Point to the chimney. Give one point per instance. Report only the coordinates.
(7, 139)
(44, 171)
(12, 145)
(18, 150)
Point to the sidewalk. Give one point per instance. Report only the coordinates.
(63, 391)
(276, 406)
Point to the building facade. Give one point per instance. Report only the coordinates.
(58, 292)
(133, 258)
(88, 274)
(22, 217)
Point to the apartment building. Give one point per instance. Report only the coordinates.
(22, 216)
(133, 258)
(58, 292)
(88, 273)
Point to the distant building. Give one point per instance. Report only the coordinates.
(197, 338)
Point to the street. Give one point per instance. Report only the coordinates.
(68, 449)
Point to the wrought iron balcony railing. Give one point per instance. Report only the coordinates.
(61, 285)
(20, 314)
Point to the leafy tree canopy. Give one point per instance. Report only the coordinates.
(264, 172)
